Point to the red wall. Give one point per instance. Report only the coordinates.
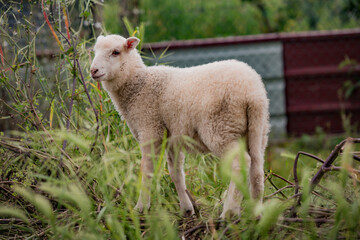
(314, 80)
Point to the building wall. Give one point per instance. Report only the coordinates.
(300, 71)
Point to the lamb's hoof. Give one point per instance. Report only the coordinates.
(189, 212)
(139, 207)
(230, 213)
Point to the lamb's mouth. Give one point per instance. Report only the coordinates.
(97, 78)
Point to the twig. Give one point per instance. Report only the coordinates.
(282, 194)
(227, 228)
(267, 176)
(280, 190)
(295, 167)
(22, 115)
(194, 229)
(333, 168)
(282, 178)
(21, 150)
(301, 220)
(92, 105)
(322, 196)
(11, 220)
(72, 94)
(293, 228)
(316, 179)
(356, 157)
(76, 63)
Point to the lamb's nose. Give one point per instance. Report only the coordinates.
(94, 71)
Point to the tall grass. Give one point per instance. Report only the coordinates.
(71, 170)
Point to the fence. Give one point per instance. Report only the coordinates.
(300, 70)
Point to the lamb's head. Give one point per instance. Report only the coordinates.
(115, 57)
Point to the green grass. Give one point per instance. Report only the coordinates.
(76, 175)
(92, 196)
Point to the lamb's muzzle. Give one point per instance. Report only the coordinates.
(214, 104)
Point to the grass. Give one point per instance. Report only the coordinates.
(92, 196)
(71, 170)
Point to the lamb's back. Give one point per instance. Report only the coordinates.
(192, 95)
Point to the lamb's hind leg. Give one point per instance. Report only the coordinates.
(176, 170)
(233, 198)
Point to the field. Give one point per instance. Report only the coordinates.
(70, 170)
(90, 194)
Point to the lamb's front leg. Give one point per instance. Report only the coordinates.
(176, 170)
(147, 170)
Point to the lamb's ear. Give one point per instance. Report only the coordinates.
(99, 37)
(131, 43)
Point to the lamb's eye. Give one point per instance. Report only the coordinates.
(115, 53)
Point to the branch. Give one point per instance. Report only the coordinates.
(295, 167)
(333, 155)
(279, 191)
(92, 105)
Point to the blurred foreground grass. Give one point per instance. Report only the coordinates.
(91, 195)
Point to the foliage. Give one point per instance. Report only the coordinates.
(72, 169)
(176, 19)
(353, 84)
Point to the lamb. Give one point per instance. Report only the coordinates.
(215, 104)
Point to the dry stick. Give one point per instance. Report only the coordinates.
(323, 169)
(295, 167)
(355, 157)
(316, 179)
(204, 225)
(266, 178)
(74, 75)
(318, 194)
(301, 220)
(24, 117)
(92, 105)
(320, 213)
(88, 95)
(19, 149)
(72, 94)
(279, 191)
(333, 168)
(282, 178)
(227, 228)
(296, 179)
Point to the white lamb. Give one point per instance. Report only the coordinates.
(215, 104)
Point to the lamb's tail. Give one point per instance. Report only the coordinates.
(258, 128)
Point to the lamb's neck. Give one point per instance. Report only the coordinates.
(124, 95)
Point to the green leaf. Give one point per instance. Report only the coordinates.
(85, 14)
(128, 26)
(13, 212)
(270, 212)
(40, 202)
(80, 142)
(72, 193)
(288, 155)
(70, 50)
